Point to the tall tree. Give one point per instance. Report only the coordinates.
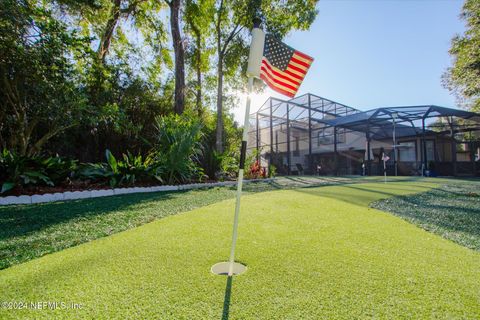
(39, 98)
(463, 78)
(179, 52)
(103, 17)
(197, 16)
(108, 21)
(228, 25)
(110, 26)
(125, 82)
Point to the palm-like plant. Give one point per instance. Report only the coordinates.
(176, 148)
(125, 171)
(22, 170)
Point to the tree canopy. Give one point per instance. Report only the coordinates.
(80, 77)
(463, 78)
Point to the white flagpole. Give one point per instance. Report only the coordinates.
(246, 125)
(253, 71)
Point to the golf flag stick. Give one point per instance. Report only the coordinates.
(278, 66)
(254, 61)
(240, 177)
(385, 158)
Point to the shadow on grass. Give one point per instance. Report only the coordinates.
(20, 220)
(452, 214)
(361, 195)
(440, 196)
(226, 299)
(316, 179)
(311, 181)
(455, 212)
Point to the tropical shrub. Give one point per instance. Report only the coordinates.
(58, 169)
(176, 148)
(220, 166)
(92, 172)
(208, 158)
(18, 170)
(131, 168)
(229, 165)
(121, 172)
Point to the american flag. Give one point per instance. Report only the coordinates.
(283, 68)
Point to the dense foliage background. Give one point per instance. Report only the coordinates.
(121, 91)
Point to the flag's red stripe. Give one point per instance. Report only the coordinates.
(290, 73)
(276, 79)
(267, 66)
(284, 84)
(303, 72)
(273, 73)
(303, 55)
(300, 62)
(293, 75)
(288, 94)
(273, 82)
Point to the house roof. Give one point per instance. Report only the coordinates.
(379, 122)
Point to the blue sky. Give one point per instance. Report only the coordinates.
(378, 53)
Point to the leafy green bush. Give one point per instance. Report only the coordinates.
(176, 148)
(16, 170)
(228, 165)
(118, 172)
(130, 169)
(220, 166)
(180, 142)
(58, 169)
(92, 171)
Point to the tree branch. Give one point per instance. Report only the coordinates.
(230, 37)
(38, 145)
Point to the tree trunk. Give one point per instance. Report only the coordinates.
(109, 29)
(222, 50)
(199, 76)
(219, 131)
(179, 52)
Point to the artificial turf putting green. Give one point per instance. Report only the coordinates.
(311, 253)
(31, 231)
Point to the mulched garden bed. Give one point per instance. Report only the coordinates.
(76, 186)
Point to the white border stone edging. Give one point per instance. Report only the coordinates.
(74, 195)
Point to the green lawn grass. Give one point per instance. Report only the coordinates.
(452, 211)
(311, 253)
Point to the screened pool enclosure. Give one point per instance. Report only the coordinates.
(313, 135)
